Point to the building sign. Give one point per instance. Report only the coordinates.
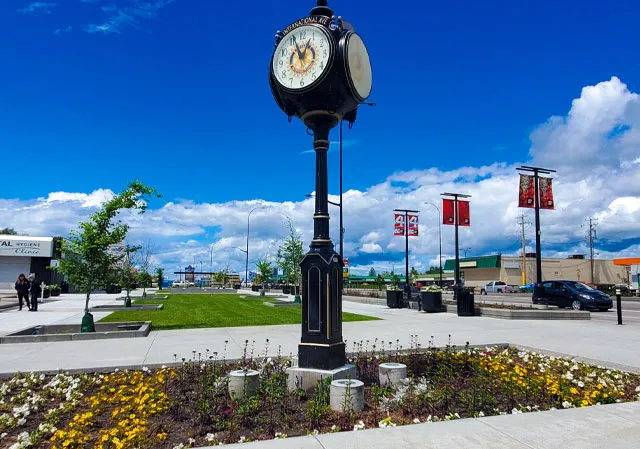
(398, 227)
(189, 274)
(469, 264)
(26, 246)
(512, 264)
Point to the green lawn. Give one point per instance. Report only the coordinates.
(201, 310)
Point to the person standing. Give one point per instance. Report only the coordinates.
(35, 291)
(22, 287)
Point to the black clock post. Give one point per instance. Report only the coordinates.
(320, 72)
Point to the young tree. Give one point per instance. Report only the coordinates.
(86, 260)
(413, 274)
(126, 274)
(8, 231)
(265, 271)
(379, 281)
(160, 277)
(144, 280)
(372, 272)
(290, 255)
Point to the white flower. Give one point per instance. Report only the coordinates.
(567, 404)
(515, 411)
(359, 426)
(179, 446)
(190, 440)
(416, 420)
(581, 384)
(638, 389)
(568, 376)
(210, 437)
(314, 432)
(480, 414)
(280, 435)
(334, 428)
(242, 439)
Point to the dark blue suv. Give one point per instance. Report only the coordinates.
(571, 294)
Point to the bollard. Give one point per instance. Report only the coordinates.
(619, 305)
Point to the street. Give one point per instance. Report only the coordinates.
(630, 306)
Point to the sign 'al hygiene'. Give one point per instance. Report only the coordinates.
(26, 246)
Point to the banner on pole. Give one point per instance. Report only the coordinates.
(464, 218)
(345, 261)
(398, 227)
(546, 193)
(413, 225)
(447, 212)
(527, 191)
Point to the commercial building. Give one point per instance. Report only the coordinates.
(23, 254)
(477, 271)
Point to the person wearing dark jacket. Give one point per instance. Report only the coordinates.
(35, 291)
(22, 287)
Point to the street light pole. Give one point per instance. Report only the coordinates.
(341, 223)
(246, 265)
(439, 237)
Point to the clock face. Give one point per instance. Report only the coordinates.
(359, 66)
(302, 57)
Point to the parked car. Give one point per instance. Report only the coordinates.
(183, 284)
(572, 294)
(528, 288)
(496, 287)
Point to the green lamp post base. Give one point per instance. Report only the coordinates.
(87, 323)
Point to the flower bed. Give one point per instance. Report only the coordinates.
(188, 405)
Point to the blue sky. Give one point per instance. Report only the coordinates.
(95, 93)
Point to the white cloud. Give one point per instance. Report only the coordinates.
(605, 121)
(118, 18)
(38, 8)
(371, 248)
(66, 29)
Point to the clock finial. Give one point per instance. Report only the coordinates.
(322, 9)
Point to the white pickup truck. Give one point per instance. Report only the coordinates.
(496, 287)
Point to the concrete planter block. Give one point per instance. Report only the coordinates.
(243, 383)
(392, 373)
(346, 394)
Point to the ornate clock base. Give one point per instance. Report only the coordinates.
(319, 356)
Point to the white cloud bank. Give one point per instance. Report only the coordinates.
(595, 148)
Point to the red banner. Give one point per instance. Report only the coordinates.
(546, 193)
(413, 225)
(398, 227)
(527, 191)
(447, 212)
(463, 213)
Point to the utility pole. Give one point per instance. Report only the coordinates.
(592, 237)
(524, 254)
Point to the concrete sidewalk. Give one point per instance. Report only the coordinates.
(611, 426)
(591, 340)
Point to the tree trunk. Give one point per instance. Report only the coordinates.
(86, 304)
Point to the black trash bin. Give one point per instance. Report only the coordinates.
(286, 289)
(64, 287)
(465, 302)
(394, 299)
(431, 301)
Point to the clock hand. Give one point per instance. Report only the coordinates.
(297, 48)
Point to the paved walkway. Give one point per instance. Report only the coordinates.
(608, 426)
